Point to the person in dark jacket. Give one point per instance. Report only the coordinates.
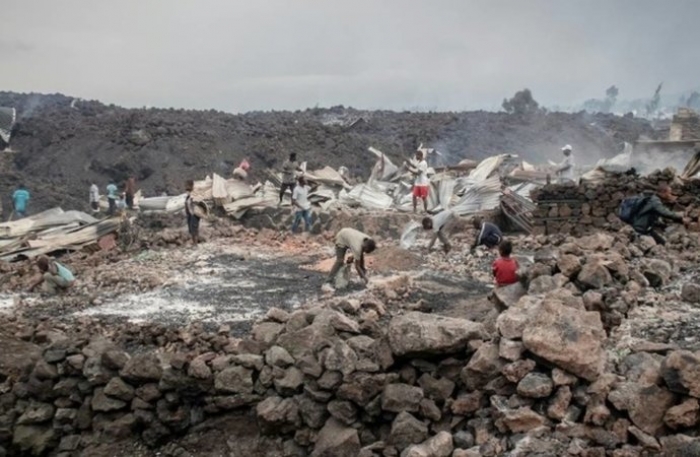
(192, 218)
(646, 220)
(489, 235)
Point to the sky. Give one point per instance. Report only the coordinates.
(441, 55)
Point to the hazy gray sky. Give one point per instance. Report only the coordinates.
(396, 54)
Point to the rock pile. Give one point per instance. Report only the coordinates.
(581, 209)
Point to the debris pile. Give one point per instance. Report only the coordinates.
(551, 374)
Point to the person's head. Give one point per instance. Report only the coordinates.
(419, 155)
(566, 150)
(477, 221)
(664, 193)
(368, 245)
(301, 180)
(43, 263)
(189, 185)
(293, 157)
(427, 223)
(505, 248)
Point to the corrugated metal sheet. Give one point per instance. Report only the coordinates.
(482, 196)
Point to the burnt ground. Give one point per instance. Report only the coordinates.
(61, 146)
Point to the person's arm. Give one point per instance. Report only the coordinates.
(477, 240)
(360, 267)
(661, 209)
(36, 283)
(433, 238)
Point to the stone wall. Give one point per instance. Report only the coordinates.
(584, 208)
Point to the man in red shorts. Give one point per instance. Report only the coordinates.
(421, 182)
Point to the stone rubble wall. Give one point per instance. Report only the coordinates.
(348, 378)
(585, 208)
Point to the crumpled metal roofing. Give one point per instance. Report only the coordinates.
(7, 121)
(482, 196)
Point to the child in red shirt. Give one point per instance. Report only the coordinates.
(505, 268)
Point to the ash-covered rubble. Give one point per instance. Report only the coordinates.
(557, 367)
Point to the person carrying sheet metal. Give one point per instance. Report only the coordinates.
(489, 235)
(290, 168)
(55, 277)
(192, 218)
(421, 183)
(20, 198)
(112, 197)
(358, 244)
(440, 225)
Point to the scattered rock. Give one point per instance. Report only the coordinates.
(418, 333)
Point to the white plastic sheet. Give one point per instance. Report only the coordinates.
(410, 234)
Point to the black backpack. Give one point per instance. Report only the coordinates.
(630, 207)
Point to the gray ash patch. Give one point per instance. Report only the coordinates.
(440, 291)
(684, 333)
(224, 289)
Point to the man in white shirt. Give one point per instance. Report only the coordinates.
(565, 170)
(94, 198)
(421, 183)
(300, 200)
(440, 224)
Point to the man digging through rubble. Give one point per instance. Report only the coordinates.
(290, 168)
(421, 183)
(645, 219)
(192, 218)
(440, 224)
(359, 244)
(55, 277)
(300, 200)
(489, 235)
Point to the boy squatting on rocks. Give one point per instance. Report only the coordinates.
(55, 277)
(359, 244)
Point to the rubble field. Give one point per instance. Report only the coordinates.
(233, 348)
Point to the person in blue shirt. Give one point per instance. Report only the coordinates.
(55, 277)
(19, 201)
(112, 197)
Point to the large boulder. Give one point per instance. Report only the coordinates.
(235, 379)
(594, 275)
(646, 405)
(509, 295)
(438, 446)
(336, 440)
(142, 367)
(568, 338)
(407, 430)
(658, 272)
(419, 333)
(401, 397)
(599, 241)
(681, 372)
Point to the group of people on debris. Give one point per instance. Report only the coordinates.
(642, 212)
(116, 201)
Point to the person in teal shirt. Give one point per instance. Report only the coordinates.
(19, 201)
(55, 277)
(112, 197)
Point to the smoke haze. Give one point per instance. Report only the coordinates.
(395, 54)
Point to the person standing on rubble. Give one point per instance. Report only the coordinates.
(421, 184)
(300, 200)
(489, 235)
(290, 168)
(94, 197)
(565, 170)
(440, 224)
(55, 277)
(645, 220)
(112, 197)
(130, 192)
(359, 244)
(19, 201)
(192, 218)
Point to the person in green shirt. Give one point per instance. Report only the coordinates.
(112, 197)
(55, 277)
